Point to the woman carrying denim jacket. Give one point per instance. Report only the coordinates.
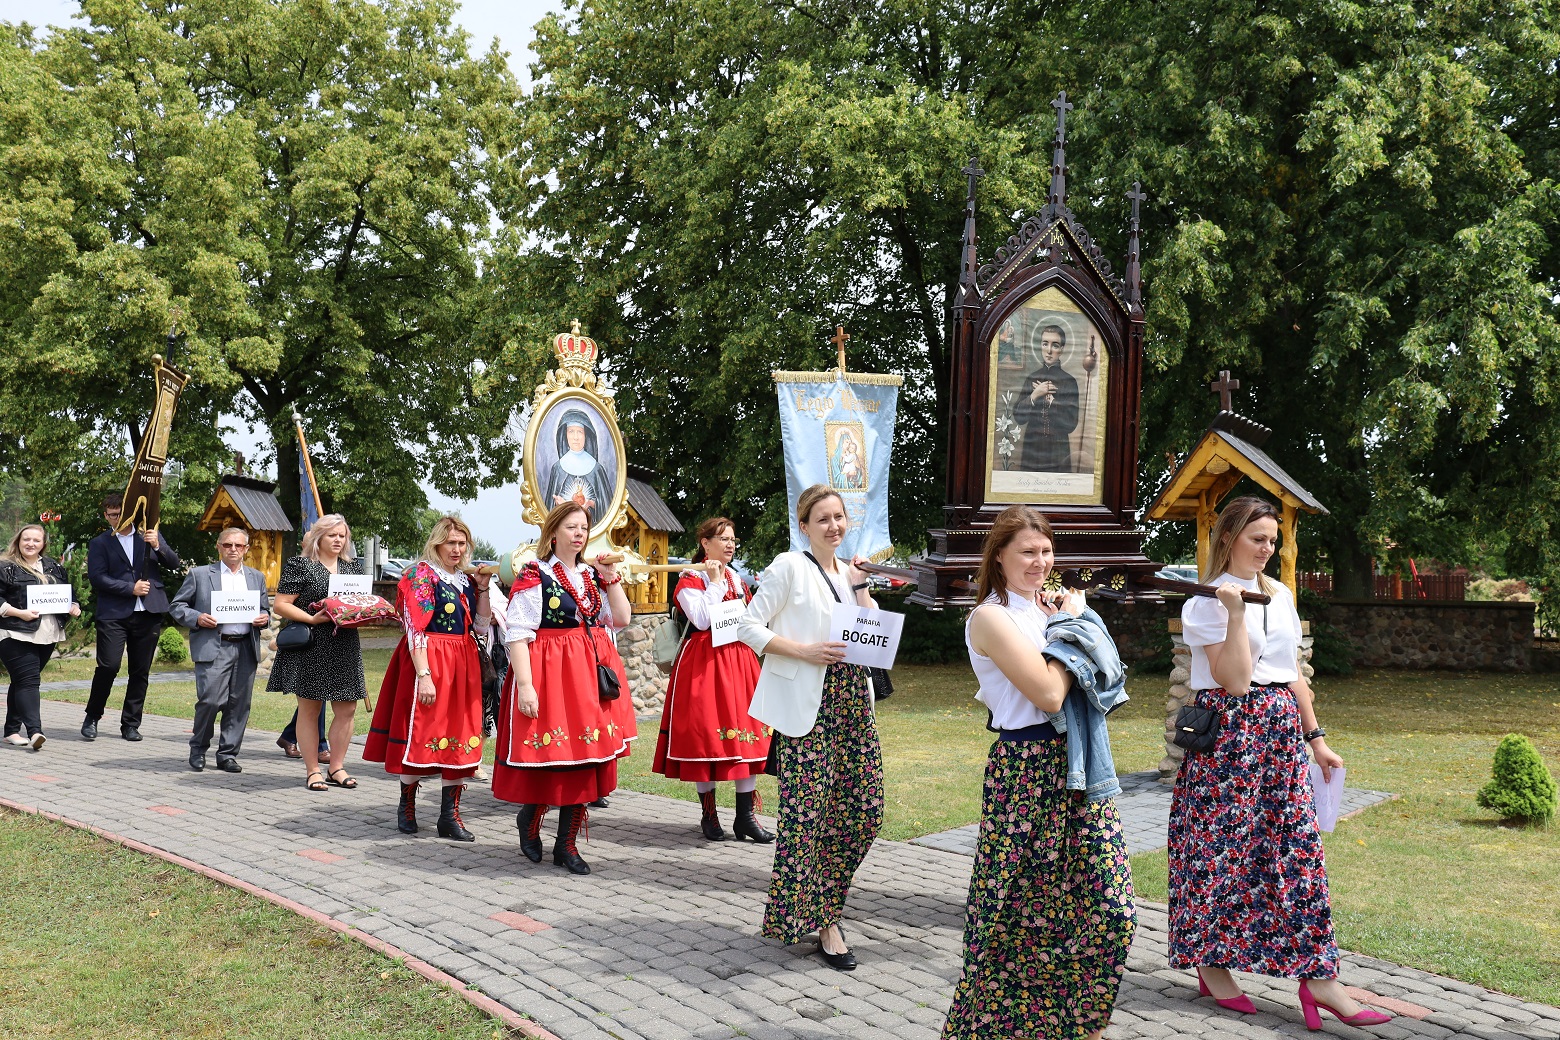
(1050, 913)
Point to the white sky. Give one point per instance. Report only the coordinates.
(494, 514)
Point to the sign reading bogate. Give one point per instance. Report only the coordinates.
(871, 637)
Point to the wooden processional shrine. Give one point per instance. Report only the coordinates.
(1047, 375)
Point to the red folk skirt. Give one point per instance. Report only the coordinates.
(568, 754)
(412, 738)
(706, 731)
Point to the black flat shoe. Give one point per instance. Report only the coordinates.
(89, 729)
(599, 803)
(229, 765)
(130, 734)
(198, 761)
(838, 961)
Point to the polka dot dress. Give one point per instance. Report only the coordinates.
(330, 668)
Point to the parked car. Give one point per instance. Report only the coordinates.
(393, 568)
(1179, 572)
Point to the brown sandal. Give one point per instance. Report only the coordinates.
(313, 784)
(349, 783)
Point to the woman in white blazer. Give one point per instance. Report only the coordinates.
(825, 748)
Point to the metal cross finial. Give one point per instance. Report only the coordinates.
(574, 327)
(973, 172)
(1136, 195)
(840, 336)
(1062, 106)
(1222, 387)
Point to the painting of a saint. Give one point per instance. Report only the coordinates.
(578, 474)
(847, 457)
(1048, 408)
(1049, 373)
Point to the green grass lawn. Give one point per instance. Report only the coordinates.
(1428, 880)
(100, 941)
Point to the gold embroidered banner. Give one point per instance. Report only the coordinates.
(143, 496)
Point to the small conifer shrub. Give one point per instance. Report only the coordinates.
(170, 646)
(1521, 788)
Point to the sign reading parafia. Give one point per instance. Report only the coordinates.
(871, 636)
(49, 599)
(724, 618)
(340, 583)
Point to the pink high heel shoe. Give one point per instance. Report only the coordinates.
(1241, 1003)
(1365, 1016)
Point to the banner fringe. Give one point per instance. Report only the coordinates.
(864, 378)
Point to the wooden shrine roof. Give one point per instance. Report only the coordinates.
(254, 501)
(643, 500)
(1224, 455)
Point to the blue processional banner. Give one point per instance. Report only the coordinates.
(839, 430)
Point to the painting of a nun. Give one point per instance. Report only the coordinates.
(578, 475)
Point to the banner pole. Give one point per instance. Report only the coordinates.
(308, 466)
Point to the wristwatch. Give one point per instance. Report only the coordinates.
(1314, 734)
(424, 674)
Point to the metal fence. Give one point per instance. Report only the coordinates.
(1439, 588)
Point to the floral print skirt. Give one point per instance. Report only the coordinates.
(831, 806)
(1050, 914)
(1248, 888)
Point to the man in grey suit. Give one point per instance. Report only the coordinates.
(225, 653)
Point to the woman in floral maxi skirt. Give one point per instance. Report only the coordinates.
(1248, 885)
(825, 747)
(1050, 914)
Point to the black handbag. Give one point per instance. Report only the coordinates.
(607, 686)
(882, 685)
(295, 635)
(1196, 728)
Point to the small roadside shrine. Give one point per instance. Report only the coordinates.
(251, 504)
(1230, 449)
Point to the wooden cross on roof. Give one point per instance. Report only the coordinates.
(1222, 386)
(840, 336)
(1137, 195)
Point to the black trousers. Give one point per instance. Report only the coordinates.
(136, 636)
(25, 662)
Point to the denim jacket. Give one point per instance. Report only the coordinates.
(1082, 644)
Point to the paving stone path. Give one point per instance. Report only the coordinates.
(661, 942)
(1144, 804)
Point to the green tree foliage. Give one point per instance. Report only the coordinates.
(301, 184)
(1521, 788)
(1352, 206)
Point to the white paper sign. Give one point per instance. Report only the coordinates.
(871, 637)
(340, 583)
(239, 607)
(49, 599)
(1327, 796)
(724, 618)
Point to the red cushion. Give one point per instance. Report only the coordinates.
(352, 609)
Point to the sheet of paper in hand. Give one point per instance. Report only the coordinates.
(871, 637)
(1327, 796)
(239, 607)
(49, 599)
(724, 618)
(344, 583)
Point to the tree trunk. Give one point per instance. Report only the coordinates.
(287, 483)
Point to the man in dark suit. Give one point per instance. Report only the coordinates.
(225, 653)
(126, 574)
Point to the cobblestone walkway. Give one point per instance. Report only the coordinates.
(661, 942)
(1144, 805)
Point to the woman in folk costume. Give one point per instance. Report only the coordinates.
(558, 738)
(1248, 885)
(429, 718)
(827, 758)
(1050, 913)
(707, 734)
